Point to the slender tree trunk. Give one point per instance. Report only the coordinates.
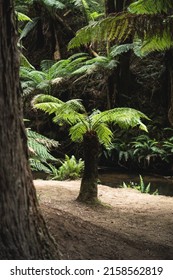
(23, 232)
(118, 80)
(88, 189)
(169, 72)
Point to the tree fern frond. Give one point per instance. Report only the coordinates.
(77, 131)
(37, 165)
(49, 143)
(76, 105)
(123, 117)
(64, 111)
(117, 50)
(45, 65)
(28, 27)
(117, 27)
(37, 76)
(157, 43)
(23, 17)
(39, 150)
(39, 145)
(104, 134)
(151, 6)
(25, 62)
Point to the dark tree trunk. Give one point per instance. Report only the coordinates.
(88, 189)
(169, 73)
(118, 80)
(23, 232)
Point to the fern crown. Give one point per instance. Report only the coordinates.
(74, 114)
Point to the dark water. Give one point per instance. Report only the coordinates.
(164, 185)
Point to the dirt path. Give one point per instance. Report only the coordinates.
(134, 226)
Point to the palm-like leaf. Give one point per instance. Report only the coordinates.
(67, 112)
(123, 117)
(78, 130)
(151, 7)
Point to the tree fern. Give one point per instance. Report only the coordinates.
(73, 113)
(157, 23)
(91, 130)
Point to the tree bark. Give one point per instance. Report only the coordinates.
(88, 188)
(169, 85)
(118, 80)
(23, 232)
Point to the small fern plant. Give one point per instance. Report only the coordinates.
(39, 151)
(91, 130)
(71, 169)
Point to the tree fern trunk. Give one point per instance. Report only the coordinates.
(169, 72)
(88, 189)
(118, 80)
(23, 232)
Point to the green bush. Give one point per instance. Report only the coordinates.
(70, 169)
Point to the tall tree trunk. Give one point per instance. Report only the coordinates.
(169, 72)
(23, 232)
(118, 80)
(88, 188)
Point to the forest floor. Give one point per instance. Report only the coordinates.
(129, 225)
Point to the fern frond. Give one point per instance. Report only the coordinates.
(123, 117)
(28, 27)
(104, 134)
(117, 50)
(151, 6)
(23, 17)
(64, 111)
(25, 62)
(108, 29)
(53, 4)
(49, 143)
(37, 165)
(78, 130)
(157, 43)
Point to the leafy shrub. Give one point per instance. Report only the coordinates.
(146, 150)
(70, 169)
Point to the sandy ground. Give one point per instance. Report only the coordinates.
(131, 225)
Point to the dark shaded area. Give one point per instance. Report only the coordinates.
(81, 240)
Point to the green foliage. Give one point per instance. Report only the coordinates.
(139, 186)
(39, 149)
(92, 9)
(143, 21)
(53, 4)
(70, 169)
(22, 17)
(151, 6)
(73, 113)
(23, 5)
(120, 151)
(146, 149)
(27, 28)
(51, 73)
(141, 151)
(107, 29)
